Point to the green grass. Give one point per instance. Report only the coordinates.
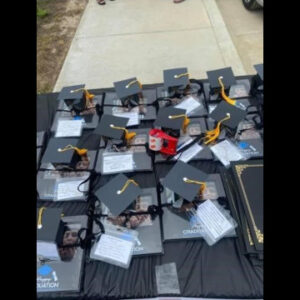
(41, 12)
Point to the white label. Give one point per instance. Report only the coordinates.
(113, 248)
(227, 152)
(189, 153)
(117, 163)
(68, 128)
(215, 222)
(189, 104)
(47, 250)
(183, 144)
(68, 190)
(133, 118)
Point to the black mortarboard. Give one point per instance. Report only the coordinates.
(172, 78)
(67, 92)
(222, 111)
(127, 88)
(177, 180)
(260, 71)
(213, 78)
(114, 198)
(54, 156)
(50, 230)
(107, 124)
(163, 118)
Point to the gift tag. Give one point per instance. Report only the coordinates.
(226, 152)
(189, 153)
(214, 223)
(115, 249)
(68, 190)
(117, 163)
(69, 128)
(132, 116)
(189, 104)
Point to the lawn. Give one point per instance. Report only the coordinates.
(57, 21)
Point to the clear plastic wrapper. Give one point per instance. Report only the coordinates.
(167, 279)
(115, 246)
(62, 186)
(215, 221)
(226, 152)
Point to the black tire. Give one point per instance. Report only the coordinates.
(251, 4)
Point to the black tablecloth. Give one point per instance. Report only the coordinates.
(220, 271)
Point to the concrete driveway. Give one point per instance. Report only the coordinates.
(128, 38)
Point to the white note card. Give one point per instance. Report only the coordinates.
(189, 153)
(214, 221)
(117, 163)
(227, 152)
(68, 190)
(189, 104)
(68, 128)
(113, 248)
(133, 118)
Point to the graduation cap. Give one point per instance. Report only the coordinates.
(50, 231)
(176, 78)
(118, 193)
(172, 118)
(114, 127)
(228, 114)
(260, 71)
(185, 180)
(227, 78)
(73, 92)
(128, 91)
(63, 151)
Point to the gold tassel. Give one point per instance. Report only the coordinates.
(186, 121)
(224, 96)
(39, 223)
(202, 183)
(126, 185)
(133, 82)
(212, 135)
(80, 152)
(128, 135)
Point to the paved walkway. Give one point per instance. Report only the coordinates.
(128, 38)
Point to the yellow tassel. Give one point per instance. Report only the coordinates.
(80, 152)
(212, 135)
(202, 187)
(186, 121)
(224, 96)
(181, 75)
(39, 223)
(128, 135)
(126, 185)
(133, 82)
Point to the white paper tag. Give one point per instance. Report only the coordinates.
(227, 152)
(189, 153)
(214, 221)
(114, 248)
(68, 190)
(211, 108)
(133, 118)
(68, 128)
(48, 250)
(183, 142)
(189, 104)
(117, 163)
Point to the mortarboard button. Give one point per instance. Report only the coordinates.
(118, 193)
(185, 180)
